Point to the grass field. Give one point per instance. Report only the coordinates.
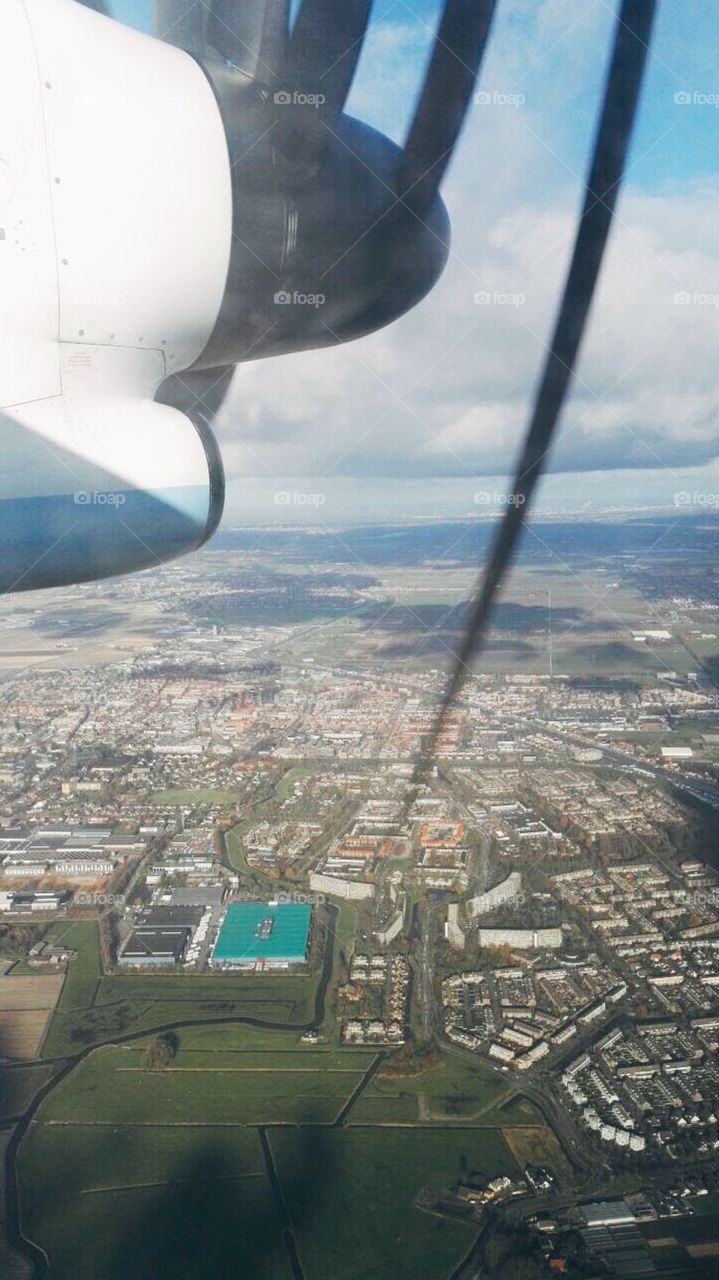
(195, 795)
(236, 849)
(117, 1201)
(229, 1038)
(78, 988)
(454, 1091)
(117, 1151)
(18, 1086)
(126, 1204)
(94, 1008)
(112, 1086)
(84, 970)
(538, 1145)
(350, 1196)
(345, 932)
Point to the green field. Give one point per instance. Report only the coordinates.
(350, 1196)
(95, 1008)
(84, 970)
(140, 1204)
(235, 848)
(345, 926)
(456, 1090)
(80, 985)
(18, 1085)
(125, 1169)
(283, 990)
(113, 1086)
(195, 795)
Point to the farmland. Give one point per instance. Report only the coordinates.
(350, 1196)
(26, 1004)
(95, 1007)
(166, 1201)
(194, 796)
(18, 1084)
(117, 1145)
(113, 1086)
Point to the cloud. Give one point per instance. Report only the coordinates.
(447, 390)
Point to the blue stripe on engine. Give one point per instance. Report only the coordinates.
(60, 539)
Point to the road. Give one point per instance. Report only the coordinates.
(540, 1093)
(424, 969)
(696, 787)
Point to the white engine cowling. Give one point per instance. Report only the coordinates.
(115, 230)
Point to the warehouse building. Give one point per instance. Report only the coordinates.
(263, 936)
(161, 936)
(155, 948)
(174, 916)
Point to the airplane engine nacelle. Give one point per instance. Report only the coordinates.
(167, 216)
(95, 484)
(115, 229)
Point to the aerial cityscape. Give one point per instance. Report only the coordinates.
(269, 989)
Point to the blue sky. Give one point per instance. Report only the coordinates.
(685, 51)
(643, 414)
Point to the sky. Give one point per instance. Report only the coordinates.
(425, 417)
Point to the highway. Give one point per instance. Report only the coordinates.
(696, 787)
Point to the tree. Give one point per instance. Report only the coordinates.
(161, 1051)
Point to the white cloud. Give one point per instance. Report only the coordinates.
(447, 390)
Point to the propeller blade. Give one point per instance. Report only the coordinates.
(621, 98)
(252, 35)
(324, 49)
(458, 48)
(180, 22)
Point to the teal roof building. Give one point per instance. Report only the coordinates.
(263, 935)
